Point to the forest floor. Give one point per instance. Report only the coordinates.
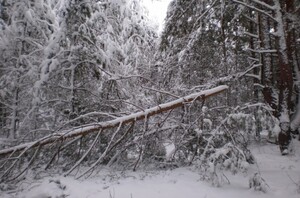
(281, 174)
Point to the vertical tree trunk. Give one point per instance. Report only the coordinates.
(14, 116)
(254, 29)
(294, 60)
(73, 112)
(285, 69)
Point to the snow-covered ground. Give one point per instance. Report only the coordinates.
(281, 174)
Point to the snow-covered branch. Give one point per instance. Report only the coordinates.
(263, 51)
(251, 35)
(253, 76)
(160, 91)
(116, 122)
(250, 69)
(250, 19)
(255, 8)
(264, 4)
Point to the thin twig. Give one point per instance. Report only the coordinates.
(86, 153)
(103, 154)
(62, 147)
(30, 162)
(160, 91)
(141, 145)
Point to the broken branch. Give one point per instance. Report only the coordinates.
(116, 122)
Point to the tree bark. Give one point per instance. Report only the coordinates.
(285, 69)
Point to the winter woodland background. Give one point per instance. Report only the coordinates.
(76, 66)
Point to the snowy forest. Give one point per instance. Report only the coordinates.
(91, 86)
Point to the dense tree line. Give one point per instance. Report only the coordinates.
(251, 44)
(69, 64)
(62, 62)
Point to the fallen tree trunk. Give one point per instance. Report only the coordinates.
(116, 122)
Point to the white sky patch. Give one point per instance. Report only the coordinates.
(157, 11)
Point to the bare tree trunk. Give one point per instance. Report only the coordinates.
(285, 69)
